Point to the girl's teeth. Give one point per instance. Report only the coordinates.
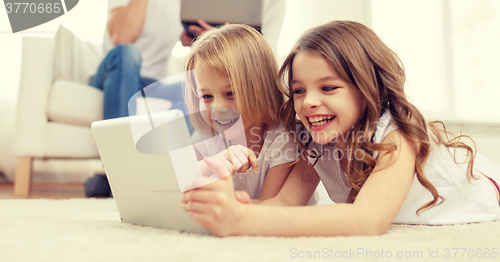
(225, 122)
(320, 120)
(319, 123)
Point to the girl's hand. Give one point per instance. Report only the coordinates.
(235, 159)
(215, 205)
(232, 160)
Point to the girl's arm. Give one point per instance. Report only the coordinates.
(275, 177)
(215, 207)
(283, 163)
(298, 186)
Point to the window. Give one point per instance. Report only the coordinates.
(449, 48)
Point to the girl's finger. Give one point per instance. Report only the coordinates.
(199, 207)
(235, 160)
(202, 219)
(243, 197)
(242, 158)
(220, 168)
(202, 196)
(252, 158)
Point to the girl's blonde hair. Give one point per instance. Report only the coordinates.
(364, 61)
(241, 54)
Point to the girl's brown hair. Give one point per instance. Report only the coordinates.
(241, 54)
(361, 59)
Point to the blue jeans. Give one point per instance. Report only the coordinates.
(119, 77)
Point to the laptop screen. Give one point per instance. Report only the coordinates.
(222, 11)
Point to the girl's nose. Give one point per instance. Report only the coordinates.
(219, 102)
(311, 100)
(219, 109)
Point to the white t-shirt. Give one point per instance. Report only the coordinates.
(161, 31)
(465, 201)
(273, 13)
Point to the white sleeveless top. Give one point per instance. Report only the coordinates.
(465, 201)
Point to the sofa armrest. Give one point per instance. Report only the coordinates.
(34, 87)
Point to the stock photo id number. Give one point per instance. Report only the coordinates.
(25, 14)
(367, 253)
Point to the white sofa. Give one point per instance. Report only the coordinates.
(56, 108)
(54, 114)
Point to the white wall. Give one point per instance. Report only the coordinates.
(301, 15)
(450, 52)
(451, 56)
(418, 40)
(475, 42)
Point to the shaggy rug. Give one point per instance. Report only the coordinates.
(90, 230)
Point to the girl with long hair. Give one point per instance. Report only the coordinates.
(378, 158)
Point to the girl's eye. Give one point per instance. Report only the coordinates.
(206, 97)
(230, 95)
(329, 88)
(298, 91)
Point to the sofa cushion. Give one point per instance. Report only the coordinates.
(74, 103)
(74, 59)
(70, 141)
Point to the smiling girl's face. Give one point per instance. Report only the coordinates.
(218, 99)
(327, 105)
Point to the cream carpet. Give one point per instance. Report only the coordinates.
(90, 230)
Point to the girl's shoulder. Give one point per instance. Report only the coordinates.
(275, 133)
(279, 128)
(385, 125)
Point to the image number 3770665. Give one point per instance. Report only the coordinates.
(25, 14)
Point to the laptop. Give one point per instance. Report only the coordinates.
(218, 12)
(141, 155)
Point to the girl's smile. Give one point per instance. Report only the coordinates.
(326, 104)
(224, 123)
(318, 122)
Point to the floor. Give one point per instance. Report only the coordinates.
(52, 191)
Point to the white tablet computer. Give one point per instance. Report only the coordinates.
(138, 154)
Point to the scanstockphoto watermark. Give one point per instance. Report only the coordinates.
(327, 152)
(304, 136)
(368, 253)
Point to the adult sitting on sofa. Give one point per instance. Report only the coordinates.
(138, 41)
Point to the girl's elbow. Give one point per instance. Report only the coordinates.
(378, 227)
(372, 224)
(377, 230)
